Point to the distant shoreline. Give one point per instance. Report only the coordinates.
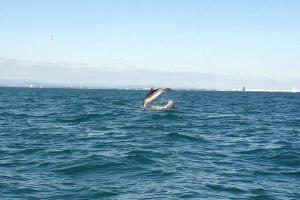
(146, 88)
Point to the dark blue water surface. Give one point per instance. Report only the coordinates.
(100, 144)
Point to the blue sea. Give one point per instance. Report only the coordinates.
(101, 144)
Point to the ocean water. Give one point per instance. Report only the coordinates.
(100, 144)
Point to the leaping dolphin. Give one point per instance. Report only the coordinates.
(153, 94)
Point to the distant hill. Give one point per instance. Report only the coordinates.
(61, 76)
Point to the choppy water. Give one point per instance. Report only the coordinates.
(99, 144)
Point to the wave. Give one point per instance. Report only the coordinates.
(226, 188)
(79, 118)
(187, 137)
(90, 167)
(142, 156)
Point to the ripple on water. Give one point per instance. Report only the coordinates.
(186, 137)
(90, 164)
(100, 144)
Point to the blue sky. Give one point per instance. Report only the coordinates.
(233, 39)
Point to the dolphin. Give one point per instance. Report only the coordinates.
(170, 105)
(153, 94)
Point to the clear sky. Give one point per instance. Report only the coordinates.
(236, 39)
